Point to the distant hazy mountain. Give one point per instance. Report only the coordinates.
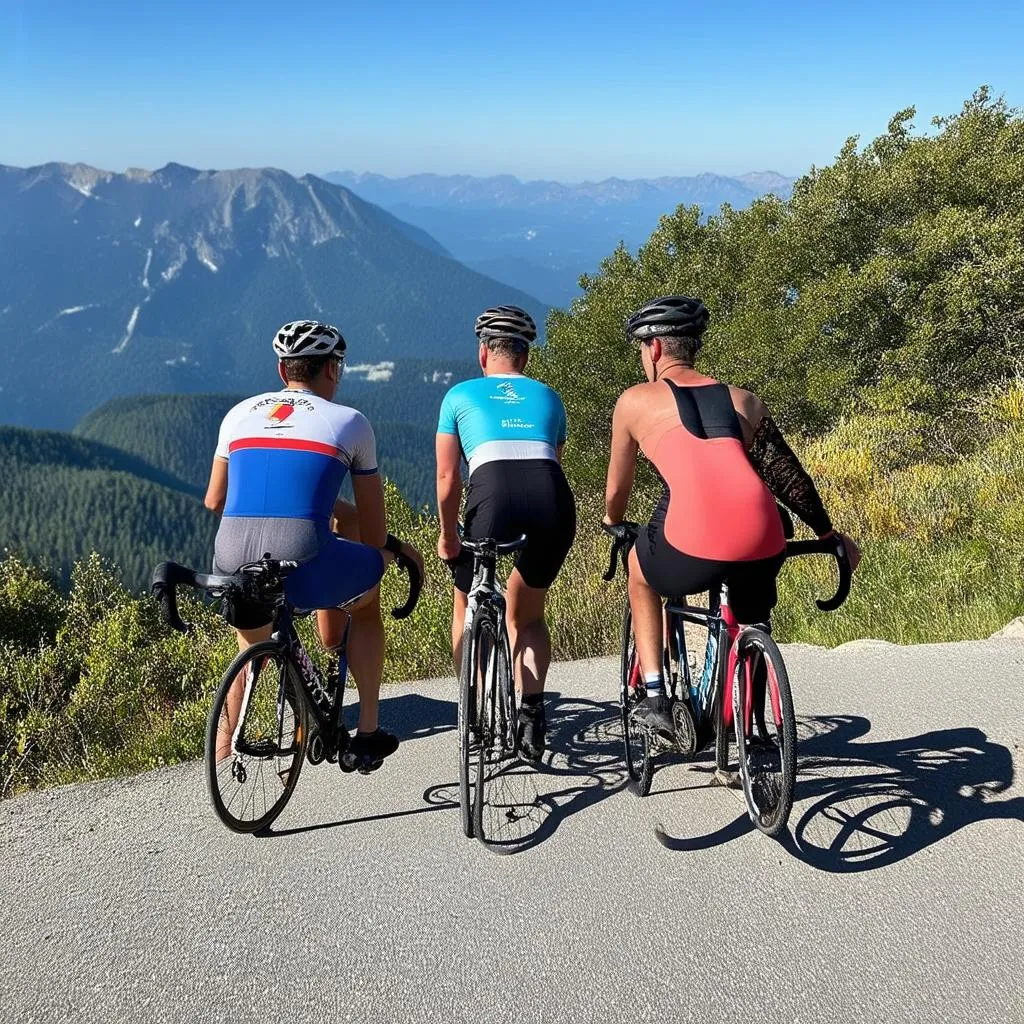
(174, 281)
(541, 235)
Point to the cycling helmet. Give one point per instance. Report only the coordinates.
(308, 338)
(668, 316)
(506, 322)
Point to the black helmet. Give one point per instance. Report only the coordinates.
(506, 322)
(668, 316)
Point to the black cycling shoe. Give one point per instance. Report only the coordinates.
(655, 713)
(366, 754)
(532, 732)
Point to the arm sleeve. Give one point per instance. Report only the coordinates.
(780, 469)
(363, 448)
(447, 422)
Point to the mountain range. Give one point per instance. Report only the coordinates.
(174, 281)
(542, 235)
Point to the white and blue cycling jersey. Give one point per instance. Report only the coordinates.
(288, 452)
(504, 416)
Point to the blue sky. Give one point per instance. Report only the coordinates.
(537, 89)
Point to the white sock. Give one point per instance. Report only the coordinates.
(654, 683)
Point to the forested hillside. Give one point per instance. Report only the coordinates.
(178, 433)
(65, 497)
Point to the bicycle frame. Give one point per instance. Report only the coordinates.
(323, 700)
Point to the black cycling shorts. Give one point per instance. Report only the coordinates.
(675, 575)
(511, 497)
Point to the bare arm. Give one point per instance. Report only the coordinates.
(217, 488)
(449, 485)
(622, 460)
(369, 494)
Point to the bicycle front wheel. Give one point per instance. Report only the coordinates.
(256, 738)
(495, 709)
(765, 730)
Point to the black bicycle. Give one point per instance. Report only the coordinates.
(273, 708)
(743, 690)
(487, 693)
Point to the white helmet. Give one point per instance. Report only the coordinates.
(308, 338)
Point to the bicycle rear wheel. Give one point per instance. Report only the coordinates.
(495, 708)
(470, 719)
(765, 730)
(635, 741)
(256, 738)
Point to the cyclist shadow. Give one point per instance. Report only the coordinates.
(526, 803)
(861, 806)
(411, 716)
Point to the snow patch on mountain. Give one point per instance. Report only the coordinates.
(128, 331)
(373, 371)
(174, 267)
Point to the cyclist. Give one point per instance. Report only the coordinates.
(281, 458)
(511, 430)
(724, 464)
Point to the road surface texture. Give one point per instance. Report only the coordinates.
(899, 895)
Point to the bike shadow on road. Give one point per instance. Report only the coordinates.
(863, 805)
(526, 804)
(411, 716)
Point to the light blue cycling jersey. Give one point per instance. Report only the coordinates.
(503, 416)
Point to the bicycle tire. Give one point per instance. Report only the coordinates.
(635, 742)
(467, 719)
(721, 729)
(267, 709)
(490, 704)
(767, 763)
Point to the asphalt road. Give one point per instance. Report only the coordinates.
(899, 895)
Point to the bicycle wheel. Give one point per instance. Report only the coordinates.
(469, 723)
(721, 729)
(493, 698)
(256, 738)
(635, 741)
(765, 731)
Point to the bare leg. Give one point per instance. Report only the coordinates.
(528, 635)
(233, 705)
(366, 639)
(459, 604)
(646, 606)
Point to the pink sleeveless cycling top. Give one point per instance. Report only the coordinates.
(717, 506)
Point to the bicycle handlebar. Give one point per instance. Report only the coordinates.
(490, 548)
(412, 570)
(168, 576)
(826, 546)
(624, 537)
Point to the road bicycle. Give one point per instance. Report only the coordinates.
(273, 708)
(488, 736)
(743, 690)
